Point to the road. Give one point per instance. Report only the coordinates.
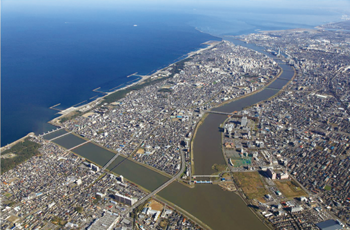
(177, 176)
(77, 146)
(60, 136)
(163, 186)
(194, 176)
(110, 161)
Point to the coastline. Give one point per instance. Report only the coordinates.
(99, 100)
(87, 107)
(3, 148)
(290, 30)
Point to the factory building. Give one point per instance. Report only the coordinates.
(329, 225)
(106, 222)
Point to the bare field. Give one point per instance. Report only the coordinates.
(290, 189)
(251, 184)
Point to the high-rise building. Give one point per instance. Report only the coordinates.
(244, 121)
(124, 199)
(272, 174)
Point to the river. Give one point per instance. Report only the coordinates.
(212, 205)
(207, 143)
(217, 208)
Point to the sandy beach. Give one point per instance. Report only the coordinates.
(84, 108)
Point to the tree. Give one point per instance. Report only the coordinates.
(79, 209)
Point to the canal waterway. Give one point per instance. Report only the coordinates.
(212, 205)
(137, 173)
(95, 153)
(69, 141)
(134, 172)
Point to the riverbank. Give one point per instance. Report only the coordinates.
(210, 124)
(129, 158)
(184, 212)
(192, 138)
(280, 91)
(222, 104)
(251, 93)
(239, 191)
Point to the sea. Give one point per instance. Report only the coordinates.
(58, 54)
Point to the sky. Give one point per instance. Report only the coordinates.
(339, 5)
(221, 9)
(209, 14)
(303, 13)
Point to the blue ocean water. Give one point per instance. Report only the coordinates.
(54, 55)
(48, 60)
(243, 20)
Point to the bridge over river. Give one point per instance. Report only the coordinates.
(207, 204)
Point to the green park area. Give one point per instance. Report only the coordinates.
(239, 162)
(17, 154)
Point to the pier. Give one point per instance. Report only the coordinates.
(99, 91)
(135, 75)
(78, 104)
(93, 97)
(54, 107)
(131, 75)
